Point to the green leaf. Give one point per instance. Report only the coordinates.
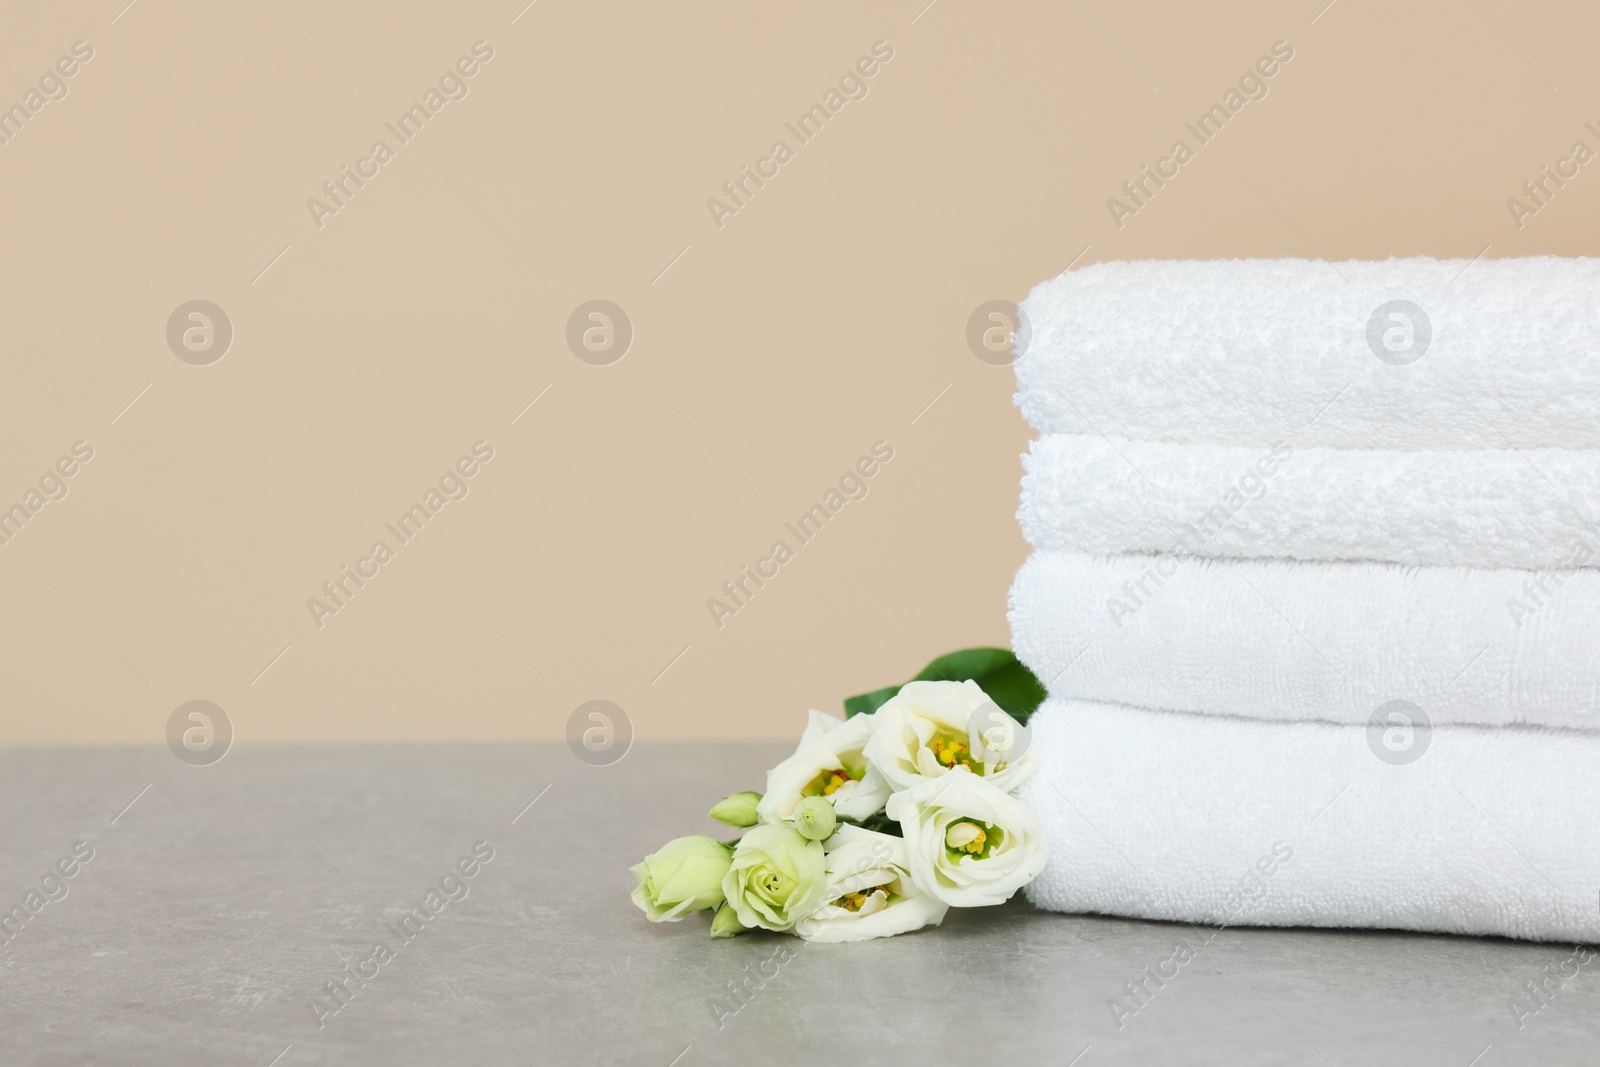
(879, 822)
(867, 703)
(996, 670)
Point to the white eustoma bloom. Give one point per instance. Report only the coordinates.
(969, 844)
(870, 891)
(930, 728)
(829, 762)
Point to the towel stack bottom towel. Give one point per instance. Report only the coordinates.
(1234, 821)
(1323, 660)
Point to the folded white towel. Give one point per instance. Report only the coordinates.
(1255, 351)
(1274, 639)
(1532, 509)
(1232, 821)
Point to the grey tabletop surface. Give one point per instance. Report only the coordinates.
(217, 903)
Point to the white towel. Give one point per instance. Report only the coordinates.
(1273, 639)
(1532, 509)
(1232, 821)
(1255, 351)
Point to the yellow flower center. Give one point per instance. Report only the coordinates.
(826, 784)
(949, 751)
(856, 901)
(965, 836)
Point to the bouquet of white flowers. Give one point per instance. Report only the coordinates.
(880, 822)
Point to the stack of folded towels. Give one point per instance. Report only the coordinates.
(1314, 592)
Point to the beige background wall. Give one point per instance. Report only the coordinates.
(769, 354)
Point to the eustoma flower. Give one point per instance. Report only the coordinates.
(829, 762)
(929, 729)
(776, 877)
(870, 892)
(684, 876)
(969, 844)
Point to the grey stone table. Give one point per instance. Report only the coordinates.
(209, 907)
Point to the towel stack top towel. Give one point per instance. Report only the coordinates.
(1400, 354)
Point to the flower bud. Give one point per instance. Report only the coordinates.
(815, 818)
(725, 921)
(738, 809)
(684, 876)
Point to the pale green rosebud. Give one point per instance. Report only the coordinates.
(738, 809)
(777, 877)
(725, 922)
(814, 817)
(684, 876)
